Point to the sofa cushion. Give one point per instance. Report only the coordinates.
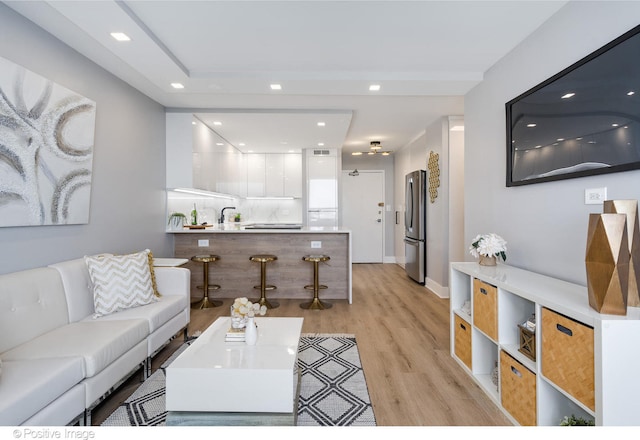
(120, 282)
(28, 386)
(77, 287)
(156, 314)
(99, 343)
(32, 302)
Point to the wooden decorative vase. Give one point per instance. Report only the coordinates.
(487, 261)
(630, 209)
(607, 263)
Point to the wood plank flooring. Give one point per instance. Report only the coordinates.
(402, 330)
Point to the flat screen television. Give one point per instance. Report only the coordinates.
(581, 122)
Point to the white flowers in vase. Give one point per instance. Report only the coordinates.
(242, 309)
(489, 245)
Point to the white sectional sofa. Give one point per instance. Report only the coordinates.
(59, 360)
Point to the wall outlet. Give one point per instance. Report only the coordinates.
(595, 196)
(203, 243)
(316, 244)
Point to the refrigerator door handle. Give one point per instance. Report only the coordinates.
(411, 241)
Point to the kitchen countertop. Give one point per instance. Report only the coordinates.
(233, 228)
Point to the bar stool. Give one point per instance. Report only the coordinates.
(206, 302)
(263, 260)
(316, 304)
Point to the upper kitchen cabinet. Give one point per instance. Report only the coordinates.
(274, 175)
(179, 150)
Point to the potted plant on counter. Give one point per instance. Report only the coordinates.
(237, 217)
(177, 221)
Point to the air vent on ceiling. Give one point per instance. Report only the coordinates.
(321, 152)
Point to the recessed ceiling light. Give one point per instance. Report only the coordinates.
(321, 124)
(631, 93)
(615, 125)
(374, 87)
(356, 153)
(531, 125)
(320, 144)
(242, 144)
(568, 95)
(385, 153)
(249, 151)
(120, 36)
(193, 123)
(219, 144)
(217, 123)
(177, 86)
(560, 139)
(276, 87)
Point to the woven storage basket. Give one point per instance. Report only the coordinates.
(517, 390)
(462, 340)
(567, 356)
(485, 308)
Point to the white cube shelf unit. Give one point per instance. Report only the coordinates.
(586, 364)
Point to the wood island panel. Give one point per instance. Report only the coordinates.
(237, 275)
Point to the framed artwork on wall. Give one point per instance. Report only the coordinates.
(46, 150)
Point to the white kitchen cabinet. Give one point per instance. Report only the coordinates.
(322, 175)
(583, 363)
(256, 166)
(293, 175)
(274, 175)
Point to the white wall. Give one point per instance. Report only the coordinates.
(127, 211)
(545, 224)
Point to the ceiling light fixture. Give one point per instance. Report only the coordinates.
(217, 123)
(374, 87)
(276, 87)
(375, 149)
(120, 36)
(321, 124)
(177, 86)
(568, 95)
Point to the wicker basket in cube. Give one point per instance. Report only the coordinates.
(485, 308)
(462, 340)
(517, 390)
(567, 356)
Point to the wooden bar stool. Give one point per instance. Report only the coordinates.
(316, 304)
(263, 260)
(206, 302)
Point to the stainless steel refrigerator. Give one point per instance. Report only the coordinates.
(415, 233)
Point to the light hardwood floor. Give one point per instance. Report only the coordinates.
(402, 331)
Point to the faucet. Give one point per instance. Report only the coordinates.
(221, 219)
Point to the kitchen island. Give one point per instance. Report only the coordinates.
(237, 276)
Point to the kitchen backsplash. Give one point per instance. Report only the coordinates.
(254, 211)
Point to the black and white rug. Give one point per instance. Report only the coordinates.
(333, 389)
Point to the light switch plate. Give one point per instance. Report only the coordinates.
(203, 243)
(316, 244)
(595, 196)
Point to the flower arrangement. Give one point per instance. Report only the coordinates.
(576, 421)
(489, 245)
(243, 309)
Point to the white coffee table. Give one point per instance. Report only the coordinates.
(214, 382)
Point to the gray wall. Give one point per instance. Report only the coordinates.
(385, 163)
(127, 196)
(545, 224)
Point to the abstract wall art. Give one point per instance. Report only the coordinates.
(46, 150)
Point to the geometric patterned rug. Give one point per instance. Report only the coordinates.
(333, 389)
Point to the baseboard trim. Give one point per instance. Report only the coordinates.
(440, 291)
(391, 260)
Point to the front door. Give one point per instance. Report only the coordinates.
(363, 214)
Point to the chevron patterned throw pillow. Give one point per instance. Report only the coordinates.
(120, 282)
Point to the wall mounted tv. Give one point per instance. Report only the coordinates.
(581, 122)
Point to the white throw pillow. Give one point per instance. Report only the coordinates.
(120, 282)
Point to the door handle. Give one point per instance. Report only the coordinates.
(379, 220)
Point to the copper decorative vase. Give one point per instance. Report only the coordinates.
(630, 208)
(607, 263)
